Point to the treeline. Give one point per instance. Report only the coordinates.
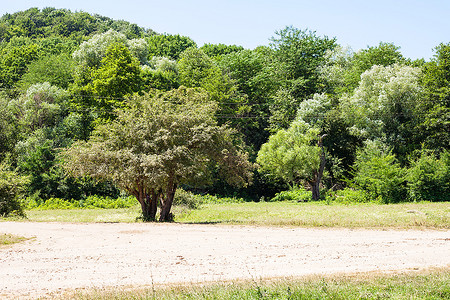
(312, 113)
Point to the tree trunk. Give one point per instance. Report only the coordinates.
(142, 199)
(315, 188)
(166, 215)
(315, 184)
(152, 200)
(148, 202)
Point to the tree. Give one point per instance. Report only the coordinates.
(252, 73)
(161, 73)
(294, 155)
(54, 69)
(117, 76)
(297, 56)
(434, 130)
(161, 142)
(341, 69)
(383, 107)
(168, 45)
(217, 51)
(14, 59)
(196, 69)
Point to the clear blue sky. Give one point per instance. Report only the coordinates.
(417, 26)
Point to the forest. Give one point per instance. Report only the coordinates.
(91, 106)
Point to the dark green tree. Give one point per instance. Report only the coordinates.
(298, 54)
(168, 45)
(55, 69)
(217, 51)
(435, 105)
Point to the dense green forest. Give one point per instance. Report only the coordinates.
(95, 106)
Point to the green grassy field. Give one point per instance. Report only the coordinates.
(431, 284)
(404, 215)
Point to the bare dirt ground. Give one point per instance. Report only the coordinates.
(67, 256)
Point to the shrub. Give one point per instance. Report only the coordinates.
(12, 186)
(107, 202)
(91, 202)
(378, 173)
(299, 195)
(428, 178)
(188, 199)
(349, 195)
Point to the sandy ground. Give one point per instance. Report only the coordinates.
(66, 256)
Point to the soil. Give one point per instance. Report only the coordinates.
(63, 256)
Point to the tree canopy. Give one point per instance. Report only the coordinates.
(161, 142)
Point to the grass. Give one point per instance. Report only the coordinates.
(84, 215)
(429, 284)
(405, 215)
(9, 239)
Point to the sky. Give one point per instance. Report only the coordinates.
(416, 26)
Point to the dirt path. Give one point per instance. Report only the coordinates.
(64, 256)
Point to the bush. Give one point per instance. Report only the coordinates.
(12, 186)
(379, 174)
(299, 195)
(91, 202)
(348, 195)
(188, 199)
(428, 178)
(194, 201)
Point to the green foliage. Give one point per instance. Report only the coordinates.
(297, 55)
(196, 69)
(290, 154)
(91, 52)
(91, 202)
(384, 107)
(212, 199)
(9, 128)
(118, 75)
(194, 201)
(434, 129)
(42, 106)
(342, 68)
(252, 72)
(379, 174)
(217, 51)
(349, 195)
(14, 61)
(12, 186)
(168, 45)
(296, 194)
(36, 23)
(160, 142)
(55, 69)
(161, 74)
(429, 177)
(187, 199)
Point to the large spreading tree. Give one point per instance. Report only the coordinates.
(160, 142)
